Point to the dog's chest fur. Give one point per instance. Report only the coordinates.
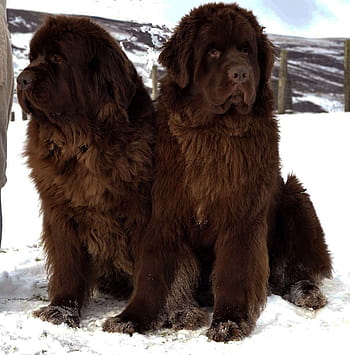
(86, 174)
(92, 183)
(227, 165)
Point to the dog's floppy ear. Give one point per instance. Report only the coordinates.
(266, 50)
(113, 77)
(177, 53)
(266, 55)
(266, 58)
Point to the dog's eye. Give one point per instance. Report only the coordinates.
(55, 58)
(245, 50)
(214, 53)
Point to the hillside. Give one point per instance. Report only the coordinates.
(316, 69)
(315, 65)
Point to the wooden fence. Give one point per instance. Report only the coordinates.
(284, 91)
(347, 76)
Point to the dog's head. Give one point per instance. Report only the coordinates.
(221, 53)
(75, 67)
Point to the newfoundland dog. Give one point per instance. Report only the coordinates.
(222, 217)
(89, 148)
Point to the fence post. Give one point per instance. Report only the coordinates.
(347, 75)
(154, 76)
(282, 83)
(12, 116)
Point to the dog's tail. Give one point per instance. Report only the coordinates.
(297, 248)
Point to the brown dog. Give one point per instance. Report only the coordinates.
(89, 148)
(218, 197)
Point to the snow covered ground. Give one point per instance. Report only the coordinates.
(314, 146)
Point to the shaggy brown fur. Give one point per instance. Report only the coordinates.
(89, 148)
(218, 197)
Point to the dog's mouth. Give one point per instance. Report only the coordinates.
(26, 106)
(240, 99)
(28, 101)
(30, 109)
(221, 108)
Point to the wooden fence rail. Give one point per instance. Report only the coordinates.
(282, 83)
(347, 75)
(154, 76)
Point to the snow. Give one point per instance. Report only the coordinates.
(314, 146)
(314, 68)
(330, 103)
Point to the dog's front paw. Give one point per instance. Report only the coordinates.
(224, 331)
(190, 318)
(306, 294)
(59, 314)
(117, 325)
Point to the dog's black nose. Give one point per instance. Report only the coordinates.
(25, 79)
(239, 74)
